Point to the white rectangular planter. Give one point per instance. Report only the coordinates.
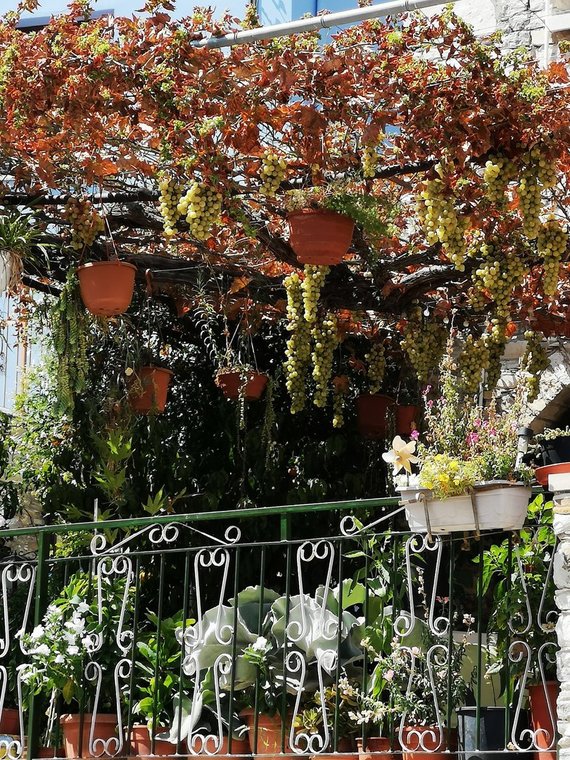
(499, 505)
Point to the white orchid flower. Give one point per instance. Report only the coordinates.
(402, 455)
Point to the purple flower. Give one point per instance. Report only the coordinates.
(415, 434)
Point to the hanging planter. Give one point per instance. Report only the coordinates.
(250, 383)
(151, 394)
(107, 286)
(373, 411)
(320, 237)
(10, 271)
(407, 416)
(499, 505)
(75, 734)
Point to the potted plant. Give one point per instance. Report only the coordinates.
(107, 286)
(235, 381)
(156, 647)
(552, 449)
(19, 239)
(375, 410)
(521, 585)
(469, 477)
(148, 389)
(60, 649)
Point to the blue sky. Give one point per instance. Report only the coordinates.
(127, 7)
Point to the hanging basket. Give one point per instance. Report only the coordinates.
(153, 391)
(407, 418)
(320, 237)
(373, 412)
(107, 286)
(496, 505)
(252, 382)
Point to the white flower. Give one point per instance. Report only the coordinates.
(70, 638)
(468, 619)
(402, 455)
(76, 624)
(59, 659)
(53, 612)
(72, 650)
(389, 675)
(260, 644)
(37, 633)
(41, 649)
(82, 608)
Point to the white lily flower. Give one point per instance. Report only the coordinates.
(402, 455)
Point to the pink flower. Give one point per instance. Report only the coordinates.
(477, 422)
(389, 675)
(415, 434)
(472, 438)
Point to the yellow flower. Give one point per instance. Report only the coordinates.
(402, 455)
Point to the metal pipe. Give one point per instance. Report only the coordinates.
(313, 23)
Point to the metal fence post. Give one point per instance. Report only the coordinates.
(39, 609)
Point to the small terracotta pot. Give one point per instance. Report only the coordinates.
(239, 747)
(413, 737)
(372, 414)
(406, 415)
(10, 722)
(344, 751)
(268, 735)
(540, 717)
(51, 752)
(154, 382)
(141, 742)
(107, 286)
(377, 748)
(105, 729)
(231, 384)
(320, 237)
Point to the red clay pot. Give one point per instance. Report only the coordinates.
(268, 735)
(434, 744)
(231, 384)
(406, 414)
(320, 237)
(542, 473)
(105, 728)
(540, 717)
(141, 743)
(345, 751)
(10, 722)
(239, 747)
(51, 752)
(377, 748)
(372, 414)
(107, 286)
(155, 382)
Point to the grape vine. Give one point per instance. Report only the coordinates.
(86, 222)
(533, 362)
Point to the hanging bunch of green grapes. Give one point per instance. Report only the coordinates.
(298, 350)
(325, 340)
(273, 172)
(496, 340)
(202, 207)
(442, 222)
(86, 222)
(424, 344)
(498, 276)
(313, 282)
(551, 243)
(340, 389)
(376, 360)
(534, 361)
(474, 358)
(498, 172)
(539, 173)
(70, 330)
(370, 157)
(170, 195)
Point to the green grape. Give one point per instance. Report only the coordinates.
(442, 222)
(325, 340)
(202, 207)
(273, 172)
(533, 362)
(298, 348)
(551, 244)
(497, 174)
(169, 199)
(86, 222)
(473, 359)
(496, 341)
(312, 284)
(424, 344)
(376, 359)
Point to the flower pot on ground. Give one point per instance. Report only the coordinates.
(344, 751)
(373, 414)
(10, 721)
(376, 748)
(76, 736)
(141, 742)
(51, 752)
(249, 382)
(240, 747)
(543, 714)
(152, 393)
(498, 505)
(416, 741)
(491, 736)
(107, 286)
(407, 418)
(543, 473)
(320, 237)
(269, 729)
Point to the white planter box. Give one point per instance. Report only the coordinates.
(500, 505)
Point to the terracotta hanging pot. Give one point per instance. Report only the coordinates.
(372, 414)
(544, 719)
(153, 391)
(407, 417)
(105, 728)
(320, 237)
(252, 382)
(107, 286)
